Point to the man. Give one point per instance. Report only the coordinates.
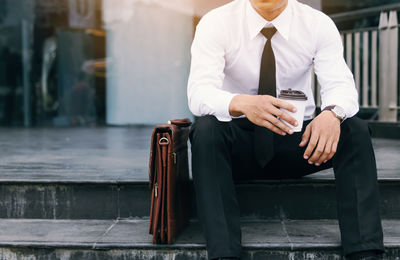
(243, 54)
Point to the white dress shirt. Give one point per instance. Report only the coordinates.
(227, 50)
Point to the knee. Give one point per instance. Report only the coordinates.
(207, 130)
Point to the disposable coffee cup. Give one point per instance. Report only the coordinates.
(298, 99)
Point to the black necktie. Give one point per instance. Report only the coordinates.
(263, 137)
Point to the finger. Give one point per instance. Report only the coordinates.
(333, 150)
(306, 136)
(311, 144)
(283, 104)
(324, 157)
(283, 115)
(318, 151)
(273, 128)
(279, 124)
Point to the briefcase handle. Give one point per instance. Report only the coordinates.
(180, 122)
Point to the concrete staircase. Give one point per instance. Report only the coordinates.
(83, 194)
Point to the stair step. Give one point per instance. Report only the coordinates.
(108, 155)
(101, 173)
(293, 199)
(129, 239)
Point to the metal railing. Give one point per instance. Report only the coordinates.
(362, 13)
(373, 56)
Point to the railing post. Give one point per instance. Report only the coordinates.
(374, 71)
(364, 102)
(388, 49)
(393, 65)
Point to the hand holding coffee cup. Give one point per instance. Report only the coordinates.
(298, 99)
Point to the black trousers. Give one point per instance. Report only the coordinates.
(222, 152)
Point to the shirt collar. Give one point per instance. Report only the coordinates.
(256, 22)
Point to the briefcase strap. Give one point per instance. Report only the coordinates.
(164, 142)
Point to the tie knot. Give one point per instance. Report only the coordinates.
(268, 32)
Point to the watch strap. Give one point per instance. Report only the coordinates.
(329, 107)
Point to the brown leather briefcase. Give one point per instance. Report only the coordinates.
(169, 180)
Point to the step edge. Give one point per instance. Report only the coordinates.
(146, 183)
(189, 246)
(186, 246)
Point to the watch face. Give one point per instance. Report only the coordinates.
(339, 112)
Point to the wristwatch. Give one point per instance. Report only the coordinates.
(338, 111)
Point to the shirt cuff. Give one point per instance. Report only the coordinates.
(222, 110)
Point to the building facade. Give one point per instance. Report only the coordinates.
(96, 62)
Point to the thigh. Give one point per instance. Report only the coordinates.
(244, 164)
(235, 136)
(288, 161)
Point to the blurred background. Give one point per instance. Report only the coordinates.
(124, 62)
